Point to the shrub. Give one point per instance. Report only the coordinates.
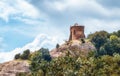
(82, 40)
(25, 54)
(17, 56)
(57, 46)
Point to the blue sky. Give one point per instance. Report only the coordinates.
(44, 23)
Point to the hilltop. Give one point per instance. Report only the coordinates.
(75, 47)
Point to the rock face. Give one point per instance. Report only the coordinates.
(11, 68)
(76, 32)
(75, 47)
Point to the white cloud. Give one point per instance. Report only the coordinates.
(5, 9)
(82, 6)
(41, 40)
(26, 9)
(19, 8)
(93, 25)
(87, 12)
(74, 5)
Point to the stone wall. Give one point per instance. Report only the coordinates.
(76, 32)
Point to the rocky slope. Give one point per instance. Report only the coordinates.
(11, 68)
(75, 47)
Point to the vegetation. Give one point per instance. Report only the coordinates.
(17, 56)
(105, 61)
(57, 46)
(98, 38)
(105, 43)
(38, 57)
(78, 66)
(24, 56)
(82, 40)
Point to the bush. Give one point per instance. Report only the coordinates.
(25, 54)
(17, 56)
(57, 46)
(45, 54)
(82, 40)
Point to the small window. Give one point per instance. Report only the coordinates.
(74, 32)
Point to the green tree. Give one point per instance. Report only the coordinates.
(99, 38)
(113, 38)
(111, 47)
(108, 48)
(17, 56)
(45, 54)
(118, 33)
(40, 60)
(25, 54)
(107, 65)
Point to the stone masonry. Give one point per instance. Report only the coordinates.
(76, 32)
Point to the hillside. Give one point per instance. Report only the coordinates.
(72, 58)
(11, 68)
(75, 47)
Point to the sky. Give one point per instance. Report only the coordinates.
(32, 24)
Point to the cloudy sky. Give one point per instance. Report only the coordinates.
(32, 24)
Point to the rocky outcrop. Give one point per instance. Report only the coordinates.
(75, 47)
(11, 68)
